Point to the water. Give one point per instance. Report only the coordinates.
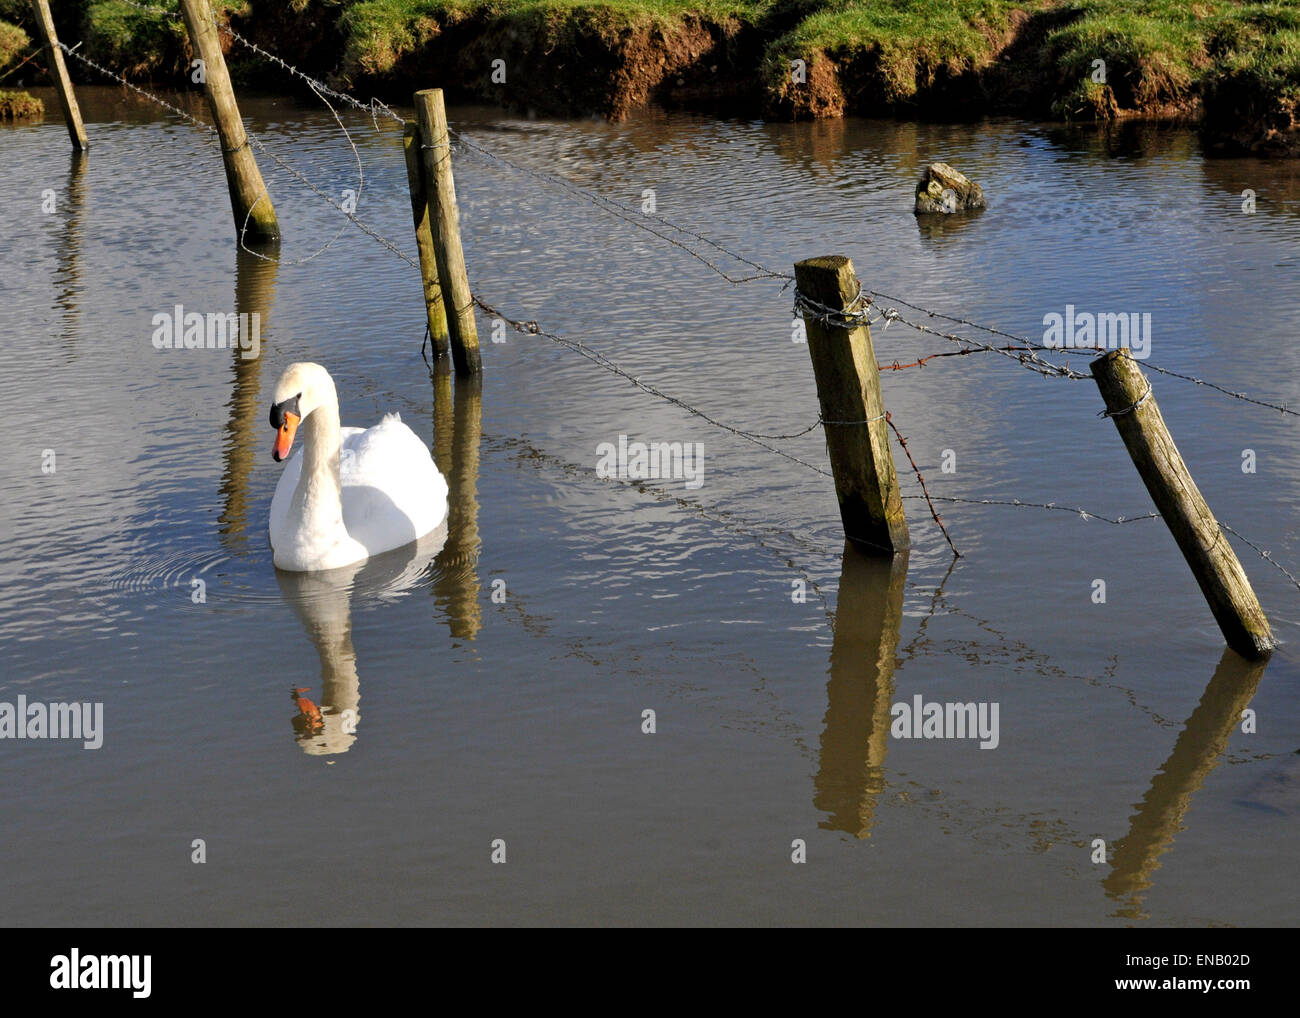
(521, 720)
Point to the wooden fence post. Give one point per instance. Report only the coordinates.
(434, 309)
(59, 72)
(249, 200)
(1130, 404)
(848, 389)
(445, 220)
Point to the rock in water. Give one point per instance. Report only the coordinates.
(943, 189)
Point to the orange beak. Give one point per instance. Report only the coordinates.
(284, 436)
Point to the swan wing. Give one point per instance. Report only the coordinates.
(392, 492)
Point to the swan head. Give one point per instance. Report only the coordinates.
(302, 388)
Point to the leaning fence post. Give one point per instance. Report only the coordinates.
(852, 409)
(434, 308)
(441, 191)
(249, 200)
(59, 72)
(1130, 404)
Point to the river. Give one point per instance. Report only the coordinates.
(485, 696)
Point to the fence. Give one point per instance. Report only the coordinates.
(838, 312)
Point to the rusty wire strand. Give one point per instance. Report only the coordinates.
(22, 63)
(1280, 407)
(925, 490)
(859, 311)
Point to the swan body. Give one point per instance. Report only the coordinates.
(349, 493)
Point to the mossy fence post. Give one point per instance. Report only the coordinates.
(434, 307)
(440, 190)
(1131, 405)
(59, 73)
(852, 409)
(249, 200)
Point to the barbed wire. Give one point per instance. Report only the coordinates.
(629, 214)
(611, 365)
(361, 183)
(1147, 365)
(256, 142)
(934, 513)
(151, 9)
(606, 204)
(72, 52)
(374, 107)
(1084, 514)
(1267, 556)
(859, 310)
(23, 63)
(1030, 361)
(1026, 354)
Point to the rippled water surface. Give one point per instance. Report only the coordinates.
(520, 718)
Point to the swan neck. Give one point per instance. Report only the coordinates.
(321, 443)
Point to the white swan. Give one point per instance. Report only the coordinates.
(351, 493)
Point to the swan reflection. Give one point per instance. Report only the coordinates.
(323, 603)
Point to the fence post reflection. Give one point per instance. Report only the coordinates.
(868, 620)
(1160, 814)
(255, 280)
(68, 275)
(457, 430)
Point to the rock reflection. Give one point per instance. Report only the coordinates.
(936, 225)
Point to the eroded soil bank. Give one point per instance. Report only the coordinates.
(1233, 68)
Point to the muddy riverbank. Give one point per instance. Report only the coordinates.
(1229, 68)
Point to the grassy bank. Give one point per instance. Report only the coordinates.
(15, 44)
(1234, 66)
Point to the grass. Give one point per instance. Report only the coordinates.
(910, 42)
(1251, 94)
(381, 32)
(14, 44)
(1155, 52)
(20, 106)
(1160, 55)
(138, 43)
